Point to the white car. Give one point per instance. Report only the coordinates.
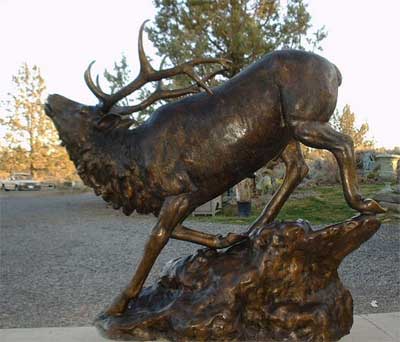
(20, 181)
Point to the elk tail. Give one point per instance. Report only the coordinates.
(338, 74)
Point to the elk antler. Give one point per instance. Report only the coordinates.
(148, 74)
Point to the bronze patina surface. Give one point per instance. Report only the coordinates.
(195, 148)
(279, 285)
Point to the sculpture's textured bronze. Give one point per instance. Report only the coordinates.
(194, 149)
(279, 285)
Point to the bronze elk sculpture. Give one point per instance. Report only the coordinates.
(191, 150)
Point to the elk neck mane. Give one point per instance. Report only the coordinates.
(110, 164)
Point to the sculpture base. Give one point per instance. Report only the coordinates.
(280, 284)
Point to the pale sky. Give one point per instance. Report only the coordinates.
(63, 36)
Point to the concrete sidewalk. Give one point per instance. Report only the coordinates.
(366, 328)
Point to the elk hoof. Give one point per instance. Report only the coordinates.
(229, 240)
(369, 206)
(118, 306)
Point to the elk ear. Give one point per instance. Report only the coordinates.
(108, 122)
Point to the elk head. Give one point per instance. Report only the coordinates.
(76, 122)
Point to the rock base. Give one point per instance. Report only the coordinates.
(280, 284)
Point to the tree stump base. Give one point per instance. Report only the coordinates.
(279, 284)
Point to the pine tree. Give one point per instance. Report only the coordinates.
(30, 137)
(240, 30)
(345, 123)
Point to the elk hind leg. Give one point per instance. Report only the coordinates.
(321, 135)
(296, 170)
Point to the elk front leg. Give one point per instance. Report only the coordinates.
(209, 240)
(323, 136)
(173, 211)
(296, 170)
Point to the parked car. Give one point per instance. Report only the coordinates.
(48, 185)
(19, 182)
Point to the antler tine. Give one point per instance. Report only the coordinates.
(187, 68)
(145, 70)
(148, 74)
(161, 93)
(158, 94)
(98, 84)
(145, 66)
(96, 90)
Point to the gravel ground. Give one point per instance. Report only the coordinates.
(65, 256)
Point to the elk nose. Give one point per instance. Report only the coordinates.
(48, 110)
